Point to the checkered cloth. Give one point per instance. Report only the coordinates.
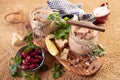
(65, 7)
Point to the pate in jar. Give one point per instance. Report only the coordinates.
(39, 22)
(80, 39)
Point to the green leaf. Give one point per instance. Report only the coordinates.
(54, 17)
(56, 75)
(13, 69)
(61, 35)
(97, 50)
(27, 49)
(57, 70)
(28, 38)
(30, 76)
(64, 28)
(17, 60)
(35, 77)
(66, 18)
(30, 46)
(25, 74)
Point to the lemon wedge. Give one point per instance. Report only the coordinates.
(51, 47)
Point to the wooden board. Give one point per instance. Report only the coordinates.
(92, 69)
(80, 68)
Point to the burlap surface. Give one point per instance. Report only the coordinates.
(109, 39)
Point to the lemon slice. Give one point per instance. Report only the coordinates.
(51, 47)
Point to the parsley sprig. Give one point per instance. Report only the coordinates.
(15, 66)
(97, 50)
(54, 17)
(28, 38)
(57, 70)
(63, 27)
(30, 76)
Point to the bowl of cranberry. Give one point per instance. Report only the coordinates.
(31, 58)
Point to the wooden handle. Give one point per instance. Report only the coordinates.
(85, 24)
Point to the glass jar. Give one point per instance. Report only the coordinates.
(39, 22)
(81, 44)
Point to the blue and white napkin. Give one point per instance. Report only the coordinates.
(65, 7)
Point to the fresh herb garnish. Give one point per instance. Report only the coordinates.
(30, 76)
(97, 50)
(57, 70)
(28, 38)
(17, 60)
(66, 18)
(64, 28)
(54, 17)
(15, 66)
(15, 70)
(30, 46)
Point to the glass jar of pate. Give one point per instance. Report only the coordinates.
(39, 22)
(80, 39)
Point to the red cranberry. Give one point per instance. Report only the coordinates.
(32, 66)
(35, 61)
(33, 54)
(38, 57)
(24, 66)
(38, 51)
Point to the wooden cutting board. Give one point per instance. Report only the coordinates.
(84, 66)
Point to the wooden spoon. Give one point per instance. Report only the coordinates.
(85, 24)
